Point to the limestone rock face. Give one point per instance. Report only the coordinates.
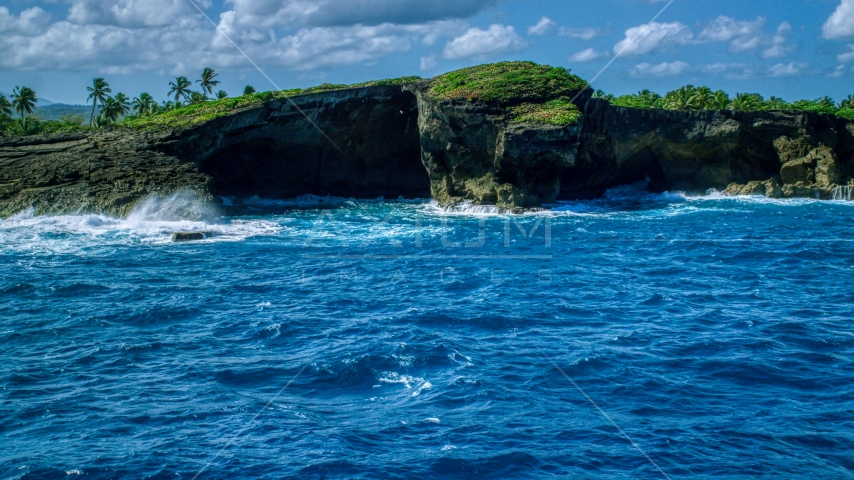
(367, 145)
(396, 141)
(809, 158)
(769, 188)
(800, 170)
(827, 167)
(97, 172)
(361, 142)
(473, 153)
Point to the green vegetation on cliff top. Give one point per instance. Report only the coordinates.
(529, 92)
(508, 83)
(554, 112)
(205, 111)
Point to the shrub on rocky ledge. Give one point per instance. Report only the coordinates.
(554, 112)
(530, 92)
(508, 83)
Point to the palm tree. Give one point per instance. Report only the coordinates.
(221, 94)
(680, 99)
(111, 112)
(142, 104)
(249, 90)
(597, 94)
(24, 100)
(122, 104)
(180, 88)
(5, 107)
(828, 103)
(648, 99)
(98, 92)
(702, 99)
(777, 103)
(198, 97)
(207, 82)
(720, 100)
(746, 102)
(847, 103)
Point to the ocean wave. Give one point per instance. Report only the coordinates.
(152, 222)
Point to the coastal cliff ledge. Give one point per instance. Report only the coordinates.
(515, 135)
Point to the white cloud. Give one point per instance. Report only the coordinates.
(646, 38)
(544, 25)
(726, 29)
(30, 22)
(787, 70)
(777, 44)
(478, 44)
(130, 13)
(586, 56)
(263, 14)
(838, 72)
(429, 63)
(661, 70)
(743, 36)
(847, 54)
(729, 70)
(585, 34)
(841, 23)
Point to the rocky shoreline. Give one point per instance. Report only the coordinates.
(399, 141)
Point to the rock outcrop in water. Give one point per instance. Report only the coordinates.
(774, 153)
(474, 153)
(399, 141)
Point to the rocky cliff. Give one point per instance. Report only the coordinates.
(794, 153)
(360, 142)
(399, 141)
(102, 172)
(473, 152)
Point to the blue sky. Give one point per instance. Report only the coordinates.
(795, 49)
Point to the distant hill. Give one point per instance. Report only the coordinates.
(56, 110)
(43, 102)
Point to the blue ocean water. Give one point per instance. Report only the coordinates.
(332, 338)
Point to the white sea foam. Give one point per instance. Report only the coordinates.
(153, 221)
(407, 381)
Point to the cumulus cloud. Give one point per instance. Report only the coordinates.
(661, 70)
(586, 33)
(478, 44)
(838, 72)
(586, 56)
(30, 22)
(841, 23)
(326, 13)
(544, 25)
(729, 70)
(130, 13)
(777, 46)
(648, 37)
(787, 70)
(847, 54)
(429, 63)
(726, 29)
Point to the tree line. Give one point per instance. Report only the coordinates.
(112, 109)
(690, 97)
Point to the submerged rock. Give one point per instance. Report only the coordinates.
(191, 236)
